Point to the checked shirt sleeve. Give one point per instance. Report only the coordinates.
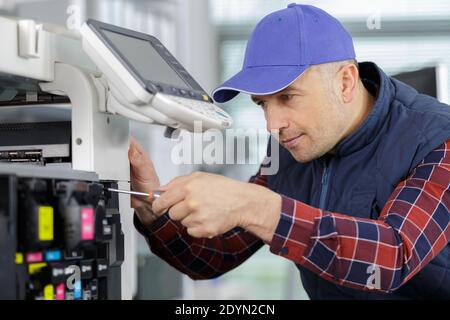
(411, 230)
(200, 258)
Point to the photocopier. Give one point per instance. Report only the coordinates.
(66, 100)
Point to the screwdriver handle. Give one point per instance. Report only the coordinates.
(154, 195)
(151, 195)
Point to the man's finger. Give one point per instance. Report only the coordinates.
(142, 182)
(138, 159)
(189, 222)
(167, 200)
(179, 211)
(142, 172)
(195, 232)
(176, 182)
(199, 232)
(135, 144)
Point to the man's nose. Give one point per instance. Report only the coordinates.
(276, 119)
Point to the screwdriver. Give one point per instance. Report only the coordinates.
(150, 196)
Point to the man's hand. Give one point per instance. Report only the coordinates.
(210, 205)
(144, 179)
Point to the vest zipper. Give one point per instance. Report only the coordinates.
(325, 182)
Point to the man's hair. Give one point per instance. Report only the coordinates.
(328, 70)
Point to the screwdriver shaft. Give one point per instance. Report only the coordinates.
(152, 196)
(136, 193)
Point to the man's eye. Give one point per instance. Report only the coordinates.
(261, 104)
(286, 97)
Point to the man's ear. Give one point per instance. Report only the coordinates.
(348, 78)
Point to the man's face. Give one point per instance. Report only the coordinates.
(308, 115)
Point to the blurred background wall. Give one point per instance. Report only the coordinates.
(208, 37)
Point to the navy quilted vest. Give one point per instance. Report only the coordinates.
(402, 128)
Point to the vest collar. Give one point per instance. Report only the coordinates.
(371, 126)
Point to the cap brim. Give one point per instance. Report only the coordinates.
(258, 81)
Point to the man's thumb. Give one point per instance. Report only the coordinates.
(142, 169)
(134, 155)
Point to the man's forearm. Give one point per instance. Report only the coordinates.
(199, 258)
(264, 215)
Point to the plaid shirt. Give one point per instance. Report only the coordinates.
(411, 230)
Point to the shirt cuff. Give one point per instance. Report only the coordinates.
(153, 229)
(295, 230)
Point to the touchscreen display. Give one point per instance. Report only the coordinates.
(145, 59)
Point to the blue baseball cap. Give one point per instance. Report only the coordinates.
(282, 46)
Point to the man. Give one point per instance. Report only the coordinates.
(360, 201)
